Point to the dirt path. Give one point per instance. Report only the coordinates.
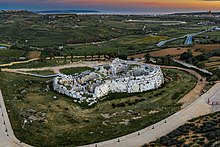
(57, 69)
(18, 62)
(197, 90)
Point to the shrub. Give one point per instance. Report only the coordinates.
(176, 95)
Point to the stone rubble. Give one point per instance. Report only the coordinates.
(119, 77)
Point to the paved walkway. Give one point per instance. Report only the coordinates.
(198, 108)
(7, 137)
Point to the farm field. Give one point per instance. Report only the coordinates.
(212, 63)
(10, 55)
(169, 51)
(59, 35)
(61, 122)
(196, 50)
(205, 47)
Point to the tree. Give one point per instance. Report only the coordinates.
(15, 47)
(65, 56)
(202, 57)
(169, 59)
(71, 54)
(85, 56)
(92, 55)
(200, 65)
(147, 57)
(99, 55)
(123, 56)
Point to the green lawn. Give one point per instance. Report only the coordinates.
(65, 123)
(44, 72)
(69, 71)
(11, 53)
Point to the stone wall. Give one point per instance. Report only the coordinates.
(121, 77)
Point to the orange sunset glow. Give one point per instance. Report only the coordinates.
(145, 6)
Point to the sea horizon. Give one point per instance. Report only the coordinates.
(100, 12)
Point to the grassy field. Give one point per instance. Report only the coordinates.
(93, 34)
(44, 63)
(202, 131)
(10, 55)
(61, 122)
(196, 50)
(69, 71)
(44, 72)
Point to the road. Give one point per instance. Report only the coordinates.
(189, 40)
(57, 69)
(7, 137)
(162, 43)
(189, 37)
(18, 62)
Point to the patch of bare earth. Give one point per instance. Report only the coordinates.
(168, 51)
(34, 54)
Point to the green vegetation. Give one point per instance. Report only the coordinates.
(6, 45)
(61, 122)
(44, 63)
(202, 131)
(10, 55)
(208, 38)
(59, 35)
(44, 72)
(70, 71)
(208, 60)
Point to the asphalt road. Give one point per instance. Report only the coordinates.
(189, 37)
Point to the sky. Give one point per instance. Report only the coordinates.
(139, 6)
